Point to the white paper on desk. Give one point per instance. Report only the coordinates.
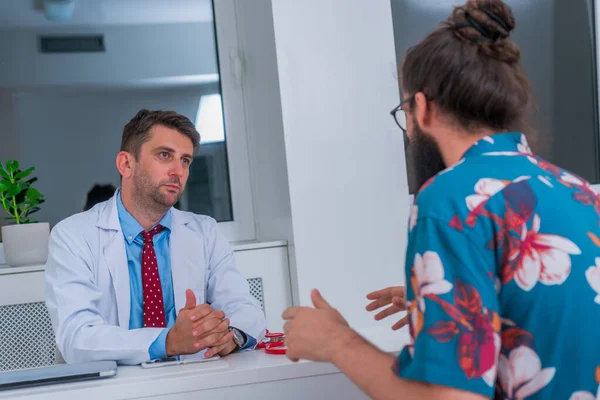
(198, 357)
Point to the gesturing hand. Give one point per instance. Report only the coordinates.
(314, 333)
(395, 297)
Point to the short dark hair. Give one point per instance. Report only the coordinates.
(136, 132)
(470, 68)
(97, 194)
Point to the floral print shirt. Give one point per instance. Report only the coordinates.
(503, 278)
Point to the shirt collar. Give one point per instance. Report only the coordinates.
(512, 142)
(131, 228)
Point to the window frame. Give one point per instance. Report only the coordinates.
(242, 227)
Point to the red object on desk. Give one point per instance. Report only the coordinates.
(276, 348)
(273, 343)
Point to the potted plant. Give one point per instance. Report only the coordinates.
(25, 240)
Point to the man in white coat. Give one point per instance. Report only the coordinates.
(134, 279)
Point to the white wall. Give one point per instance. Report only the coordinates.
(72, 138)
(134, 54)
(345, 156)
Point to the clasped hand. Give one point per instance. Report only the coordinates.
(199, 327)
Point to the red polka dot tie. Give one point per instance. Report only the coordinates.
(154, 309)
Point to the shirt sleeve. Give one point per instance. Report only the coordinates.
(158, 348)
(453, 307)
(250, 343)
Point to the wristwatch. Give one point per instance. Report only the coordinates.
(239, 337)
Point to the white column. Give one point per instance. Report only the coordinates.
(344, 153)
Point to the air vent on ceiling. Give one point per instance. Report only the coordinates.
(71, 44)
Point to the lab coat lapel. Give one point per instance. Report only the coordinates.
(185, 259)
(116, 259)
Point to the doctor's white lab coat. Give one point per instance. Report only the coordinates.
(87, 284)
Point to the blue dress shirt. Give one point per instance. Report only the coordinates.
(134, 244)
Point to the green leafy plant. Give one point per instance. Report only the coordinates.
(17, 197)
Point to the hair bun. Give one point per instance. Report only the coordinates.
(488, 23)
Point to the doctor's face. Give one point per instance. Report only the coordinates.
(163, 167)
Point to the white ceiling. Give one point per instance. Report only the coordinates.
(29, 13)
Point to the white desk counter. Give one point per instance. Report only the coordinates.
(248, 375)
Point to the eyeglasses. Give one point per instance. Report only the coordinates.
(400, 115)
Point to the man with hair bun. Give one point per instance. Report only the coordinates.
(503, 256)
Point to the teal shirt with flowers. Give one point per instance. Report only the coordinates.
(503, 277)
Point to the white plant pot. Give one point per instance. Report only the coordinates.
(26, 244)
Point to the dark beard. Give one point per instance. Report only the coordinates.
(148, 195)
(426, 158)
